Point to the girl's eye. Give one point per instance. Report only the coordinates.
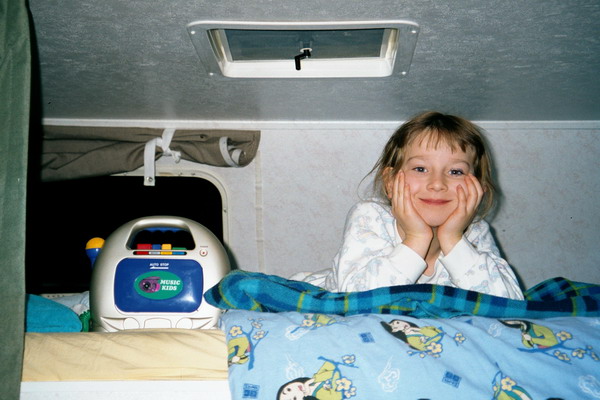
(456, 172)
(419, 169)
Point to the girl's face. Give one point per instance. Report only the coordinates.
(434, 175)
(293, 391)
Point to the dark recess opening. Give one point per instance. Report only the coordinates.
(63, 216)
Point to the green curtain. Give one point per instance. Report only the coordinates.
(15, 84)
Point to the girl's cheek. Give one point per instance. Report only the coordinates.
(413, 181)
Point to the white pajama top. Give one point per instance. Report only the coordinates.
(372, 256)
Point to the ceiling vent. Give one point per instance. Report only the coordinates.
(305, 50)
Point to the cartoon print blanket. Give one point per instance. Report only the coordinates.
(259, 292)
(292, 355)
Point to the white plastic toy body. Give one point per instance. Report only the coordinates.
(156, 285)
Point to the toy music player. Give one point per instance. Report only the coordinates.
(152, 273)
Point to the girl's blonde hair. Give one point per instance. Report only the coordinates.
(438, 129)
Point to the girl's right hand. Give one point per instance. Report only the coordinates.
(417, 234)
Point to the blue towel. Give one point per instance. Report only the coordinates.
(44, 315)
(268, 293)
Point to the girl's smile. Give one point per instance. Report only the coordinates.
(435, 202)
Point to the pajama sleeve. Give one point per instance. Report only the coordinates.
(372, 254)
(475, 264)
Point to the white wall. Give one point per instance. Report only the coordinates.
(287, 208)
(549, 221)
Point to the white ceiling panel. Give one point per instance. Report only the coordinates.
(487, 60)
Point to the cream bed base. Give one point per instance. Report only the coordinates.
(126, 390)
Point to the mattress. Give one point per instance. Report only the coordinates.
(154, 354)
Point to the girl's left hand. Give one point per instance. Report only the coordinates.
(469, 196)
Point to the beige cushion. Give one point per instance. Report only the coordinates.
(155, 354)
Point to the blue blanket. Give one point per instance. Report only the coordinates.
(268, 293)
(378, 356)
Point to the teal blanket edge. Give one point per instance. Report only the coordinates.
(556, 297)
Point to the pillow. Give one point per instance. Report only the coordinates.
(44, 315)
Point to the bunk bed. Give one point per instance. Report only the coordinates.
(279, 338)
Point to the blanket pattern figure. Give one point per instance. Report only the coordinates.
(328, 383)
(241, 344)
(540, 338)
(423, 341)
(311, 322)
(505, 388)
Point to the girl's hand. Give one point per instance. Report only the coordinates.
(469, 197)
(417, 233)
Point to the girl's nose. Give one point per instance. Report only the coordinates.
(437, 182)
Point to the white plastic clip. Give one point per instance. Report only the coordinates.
(230, 153)
(150, 154)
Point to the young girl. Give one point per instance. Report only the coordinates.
(435, 178)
